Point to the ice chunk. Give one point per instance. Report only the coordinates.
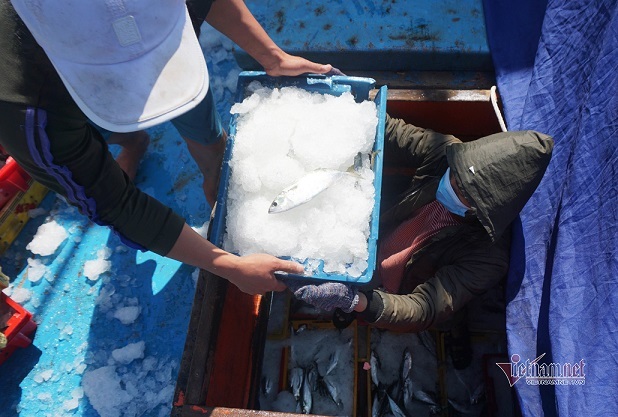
(71, 404)
(36, 270)
(79, 369)
(127, 315)
(43, 376)
(129, 353)
(48, 238)
(103, 388)
(44, 396)
(34, 213)
(66, 331)
(195, 275)
(18, 294)
(94, 268)
(203, 229)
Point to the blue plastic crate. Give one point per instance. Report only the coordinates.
(335, 85)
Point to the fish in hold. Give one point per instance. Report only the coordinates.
(309, 385)
(297, 376)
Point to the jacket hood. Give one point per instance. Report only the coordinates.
(498, 174)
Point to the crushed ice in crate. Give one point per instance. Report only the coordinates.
(283, 134)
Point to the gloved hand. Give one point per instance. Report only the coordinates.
(327, 296)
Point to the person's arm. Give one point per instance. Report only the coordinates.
(421, 150)
(234, 20)
(412, 146)
(253, 274)
(452, 287)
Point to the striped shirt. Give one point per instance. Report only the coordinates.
(409, 236)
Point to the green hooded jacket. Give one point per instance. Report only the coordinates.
(497, 175)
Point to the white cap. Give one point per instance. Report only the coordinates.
(128, 64)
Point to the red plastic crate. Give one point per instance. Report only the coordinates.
(20, 327)
(12, 180)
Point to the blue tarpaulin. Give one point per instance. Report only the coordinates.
(557, 71)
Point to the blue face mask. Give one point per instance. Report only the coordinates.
(448, 198)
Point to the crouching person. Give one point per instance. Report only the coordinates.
(446, 239)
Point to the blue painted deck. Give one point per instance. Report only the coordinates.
(73, 328)
(371, 35)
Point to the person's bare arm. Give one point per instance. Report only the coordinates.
(234, 20)
(253, 274)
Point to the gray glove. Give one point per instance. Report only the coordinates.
(327, 296)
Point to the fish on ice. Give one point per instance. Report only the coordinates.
(310, 185)
(305, 189)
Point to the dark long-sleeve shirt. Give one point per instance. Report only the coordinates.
(42, 127)
(497, 175)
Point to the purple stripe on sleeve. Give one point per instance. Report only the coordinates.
(37, 156)
(75, 193)
(87, 203)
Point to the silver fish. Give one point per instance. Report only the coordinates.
(300, 329)
(312, 184)
(435, 410)
(424, 397)
(406, 365)
(267, 385)
(331, 389)
(408, 391)
(297, 375)
(478, 394)
(379, 404)
(395, 409)
(312, 376)
(475, 396)
(308, 386)
(374, 362)
(333, 360)
(307, 402)
(305, 189)
(460, 408)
